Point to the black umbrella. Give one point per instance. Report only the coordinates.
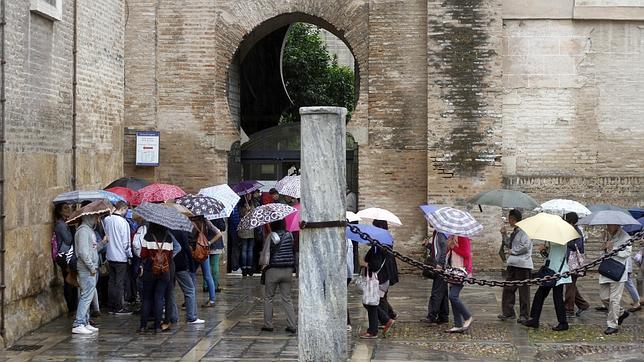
(131, 183)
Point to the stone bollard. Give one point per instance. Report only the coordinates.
(322, 322)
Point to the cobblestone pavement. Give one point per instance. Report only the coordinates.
(232, 333)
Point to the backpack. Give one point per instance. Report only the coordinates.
(160, 263)
(202, 249)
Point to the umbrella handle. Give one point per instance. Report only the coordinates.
(480, 208)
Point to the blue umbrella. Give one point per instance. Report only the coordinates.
(606, 207)
(637, 212)
(428, 209)
(382, 235)
(634, 228)
(112, 197)
(247, 186)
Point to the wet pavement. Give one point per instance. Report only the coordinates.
(232, 332)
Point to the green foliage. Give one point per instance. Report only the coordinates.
(312, 76)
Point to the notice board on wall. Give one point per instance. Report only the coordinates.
(147, 148)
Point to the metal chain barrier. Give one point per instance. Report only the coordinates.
(459, 279)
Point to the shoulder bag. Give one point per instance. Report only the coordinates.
(612, 269)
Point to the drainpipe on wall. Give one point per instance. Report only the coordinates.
(3, 22)
(74, 91)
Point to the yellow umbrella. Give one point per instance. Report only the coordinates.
(548, 227)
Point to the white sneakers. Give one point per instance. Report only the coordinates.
(197, 321)
(88, 329)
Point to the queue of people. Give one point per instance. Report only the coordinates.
(144, 260)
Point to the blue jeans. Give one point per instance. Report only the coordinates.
(87, 288)
(247, 253)
(189, 294)
(632, 290)
(205, 270)
(458, 308)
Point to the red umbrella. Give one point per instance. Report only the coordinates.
(157, 193)
(124, 192)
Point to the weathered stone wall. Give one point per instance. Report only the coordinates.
(464, 111)
(39, 140)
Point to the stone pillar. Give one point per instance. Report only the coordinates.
(322, 332)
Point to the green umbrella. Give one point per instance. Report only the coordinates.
(505, 198)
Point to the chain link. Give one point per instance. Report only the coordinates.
(581, 271)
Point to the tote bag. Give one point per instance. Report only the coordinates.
(370, 287)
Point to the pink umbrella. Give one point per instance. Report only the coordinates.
(293, 220)
(157, 193)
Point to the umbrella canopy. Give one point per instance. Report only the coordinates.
(246, 187)
(382, 235)
(352, 217)
(94, 208)
(608, 217)
(112, 197)
(505, 198)
(636, 212)
(428, 209)
(157, 193)
(289, 186)
(548, 227)
(635, 228)
(131, 183)
(453, 221)
(201, 205)
(563, 206)
(225, 195)
(606, 207)
(293, 220)
(124, 192)
(182, 209)
(164, 216)
(79, 196)
(376, 213)
(265, 214)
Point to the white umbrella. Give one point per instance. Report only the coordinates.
(563, 206)
(225, 195)
(289, 186)
(352, 217)
(376, 213)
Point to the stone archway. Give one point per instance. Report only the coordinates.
(240, 25)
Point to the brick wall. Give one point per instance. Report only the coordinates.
(464, 112)
(39, 140)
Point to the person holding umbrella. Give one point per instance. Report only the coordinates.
(459, 260)
(519, 266)
(85, 247)
(572, 296)
(610, 291)
(278, 264)
(556, 262)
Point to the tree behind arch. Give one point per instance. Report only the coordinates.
(312, 76)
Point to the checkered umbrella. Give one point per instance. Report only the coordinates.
(164, 216)
(289, 186)
(201, 205)
(265, 214)
(225, 195)
(454, 222)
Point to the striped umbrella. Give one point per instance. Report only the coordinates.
(289, 186)
(454, 222)
(79, 196)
